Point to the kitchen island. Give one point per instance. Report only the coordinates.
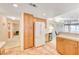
(67, 43)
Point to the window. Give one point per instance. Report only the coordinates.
(71, 28)
(66, 28)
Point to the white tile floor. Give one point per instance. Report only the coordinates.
(12, 42)
(48, 49)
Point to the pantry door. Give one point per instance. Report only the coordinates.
(39, 34)
(28, 31)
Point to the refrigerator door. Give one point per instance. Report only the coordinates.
(39, 34)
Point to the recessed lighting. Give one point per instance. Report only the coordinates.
(15, 5)
(44, 14)
(51, 27)
(11, 17)
(58, 19)
(50, 18)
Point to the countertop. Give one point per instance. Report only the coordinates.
(69, 36)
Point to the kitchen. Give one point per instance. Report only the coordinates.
(39, 29)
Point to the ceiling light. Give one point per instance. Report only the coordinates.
(11, 17)
(58, 19)
(51, 27)
(50, 18)
(44, 14)
(15, 5)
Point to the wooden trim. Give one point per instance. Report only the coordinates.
(39, 20)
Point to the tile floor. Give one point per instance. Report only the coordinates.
(48, 49)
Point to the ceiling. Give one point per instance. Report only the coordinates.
(72, 14)
(43, 10)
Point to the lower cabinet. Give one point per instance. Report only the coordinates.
(70, 47)
(59, 45)
(67, 46)
(78, 48)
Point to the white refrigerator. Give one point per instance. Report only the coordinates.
(39, 34)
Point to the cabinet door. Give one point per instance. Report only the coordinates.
(28, 31)
(70, 47)
(31, 31)
(77, 48)
(60, 45)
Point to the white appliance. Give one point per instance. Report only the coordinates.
(39, 34)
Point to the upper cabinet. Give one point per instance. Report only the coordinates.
(3, 29)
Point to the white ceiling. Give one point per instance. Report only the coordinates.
(50, 9)
(71, 14)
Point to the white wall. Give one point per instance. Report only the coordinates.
(22, 32)
(16, 22)
(16, 27)
(57, 26)
(3, 29)
(13, 28)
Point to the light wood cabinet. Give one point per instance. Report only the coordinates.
(67, 46)
(28, 31)
(78, 48)
(70, 47)
(59, 46)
